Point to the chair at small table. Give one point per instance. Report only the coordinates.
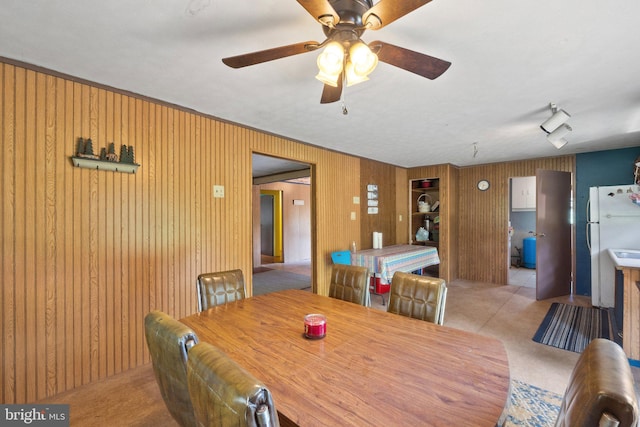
(601, 389)
(350, 283)
(224, 393)
(341, 257)
(220, 288)
(169, 341)
(419, 297)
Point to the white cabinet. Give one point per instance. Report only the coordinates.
(523, 193)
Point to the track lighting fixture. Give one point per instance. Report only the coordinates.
(556, 127)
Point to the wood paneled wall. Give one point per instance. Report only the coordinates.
(384, 176)
(483, 216)
(86, 254)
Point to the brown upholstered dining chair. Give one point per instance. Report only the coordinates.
(169, 341)
(600, 391)
(419, 297)
(224, 393)
(220, 288)
(350, 283)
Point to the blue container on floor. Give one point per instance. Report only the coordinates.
(529, 252)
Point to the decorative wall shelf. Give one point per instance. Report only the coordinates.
(87, 163)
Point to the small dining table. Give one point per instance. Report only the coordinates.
(371, 368)
(385, 261)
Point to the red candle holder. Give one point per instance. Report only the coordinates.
(315, 326)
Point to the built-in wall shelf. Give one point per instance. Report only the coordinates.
(83, 162)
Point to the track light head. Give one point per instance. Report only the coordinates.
(554, 122)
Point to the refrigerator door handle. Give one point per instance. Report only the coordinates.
(588, 233)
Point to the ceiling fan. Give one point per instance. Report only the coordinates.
(346, 59)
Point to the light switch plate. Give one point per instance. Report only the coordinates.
(353, 216)
(356, 200)
(218, 191)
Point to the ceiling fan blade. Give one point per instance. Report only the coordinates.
(418, 63)
(386, 11)
(269, 54)
(322, 11)
(332, 94)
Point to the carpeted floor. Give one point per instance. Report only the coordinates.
(278, 280)
(532, 406)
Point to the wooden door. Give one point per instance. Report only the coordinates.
(553, 231)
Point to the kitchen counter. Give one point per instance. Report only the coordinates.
(628, 261)
(625, 258)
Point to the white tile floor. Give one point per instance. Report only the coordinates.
(520, 276)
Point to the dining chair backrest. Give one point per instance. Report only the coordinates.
(418, 297)
(350, 283)
(219, 288)
(601, 389)
(169, 341)
(341, 257)
(224, 393)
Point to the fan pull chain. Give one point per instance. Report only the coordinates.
(344, 88)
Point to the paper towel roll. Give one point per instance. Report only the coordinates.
(377, 240)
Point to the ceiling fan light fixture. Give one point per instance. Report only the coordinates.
(354, 78)
(363, 59)
(330, 63)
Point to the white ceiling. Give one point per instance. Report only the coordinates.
(510, 59)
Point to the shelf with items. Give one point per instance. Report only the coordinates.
(424, 196)
(107, 160)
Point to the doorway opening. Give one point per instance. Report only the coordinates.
(522, 232)
(282, 214)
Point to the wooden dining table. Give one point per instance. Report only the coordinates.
(371, 368)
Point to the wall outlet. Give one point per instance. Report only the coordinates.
(356, 200)
(218, 191)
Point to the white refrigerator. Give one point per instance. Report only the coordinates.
(613, 222)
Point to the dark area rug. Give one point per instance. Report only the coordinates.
(278, 280)
(572, 327)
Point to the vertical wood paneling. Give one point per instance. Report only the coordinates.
(86, 253)
(484, 215)
(383, 175)
(20, 278)
(49, 185)
(7, 199)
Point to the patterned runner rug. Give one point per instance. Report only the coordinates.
(572, 327)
